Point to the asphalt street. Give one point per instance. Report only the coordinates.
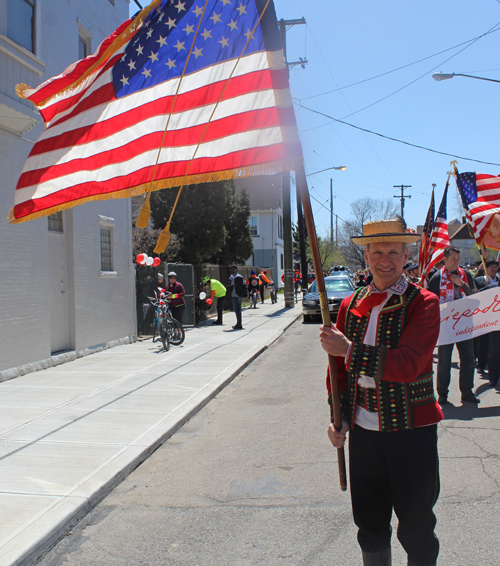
(252, 479)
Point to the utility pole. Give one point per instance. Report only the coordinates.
(402, 197)
(331, 211)
(287, 242)
(300, 218)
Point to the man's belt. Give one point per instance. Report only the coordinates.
(367, 398)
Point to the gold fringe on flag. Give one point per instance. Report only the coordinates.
(20, 88)
(118, 42)
(240, 173)
(163, 239)
(143, 218)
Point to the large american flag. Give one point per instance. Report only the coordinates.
(480, 194)
(186, 92)
(440, 238)
(426, 235)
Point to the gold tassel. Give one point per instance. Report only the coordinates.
(143, 218)
(163, 239)
(20, 88)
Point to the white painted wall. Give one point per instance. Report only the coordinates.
(100, 308)
(268, 247)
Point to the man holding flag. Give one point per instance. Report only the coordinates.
(384, 341)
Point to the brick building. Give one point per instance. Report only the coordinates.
(67, 282)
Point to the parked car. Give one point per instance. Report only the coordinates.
(338, 269)
(338, 287)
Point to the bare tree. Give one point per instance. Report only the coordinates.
(363, 210)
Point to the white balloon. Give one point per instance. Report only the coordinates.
(143, 262)
(149, 261)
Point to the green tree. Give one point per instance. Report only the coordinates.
(238, 246)
(204, 221)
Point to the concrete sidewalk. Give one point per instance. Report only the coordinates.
(68, 434)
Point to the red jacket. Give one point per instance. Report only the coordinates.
(176, 289)
(400, 367)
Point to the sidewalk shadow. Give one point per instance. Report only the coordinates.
(277, 313)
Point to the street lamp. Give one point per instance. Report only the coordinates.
(341, 168)
(446, 76)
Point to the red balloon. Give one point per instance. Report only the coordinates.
(139, 258)
(156, 262)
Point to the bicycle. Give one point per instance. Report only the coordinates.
(170, 330)
(200, 307)
(254, 297)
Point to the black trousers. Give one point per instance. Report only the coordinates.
(494, 356)
(400, 471)
(178, 313)
(221, 301)
(483, 346)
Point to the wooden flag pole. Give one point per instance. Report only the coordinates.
(325, 313)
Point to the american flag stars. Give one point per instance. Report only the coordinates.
(186, 35)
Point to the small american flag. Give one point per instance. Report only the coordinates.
(426, 235)
(440, 238)
(185, 92)
(480, 194)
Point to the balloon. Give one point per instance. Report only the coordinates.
(144, 259)
(139, 258)
(149, 261)
(156, 262)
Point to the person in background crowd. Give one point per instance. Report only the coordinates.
(236, 286)
(297, 280)
(264, 282)
(452, 283)
(177, 301)
(384, 341)
(253, 285)
(155, 285)
(217, 290)
(488, 345)
(412, 271)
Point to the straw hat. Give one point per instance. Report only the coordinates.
(393, 230)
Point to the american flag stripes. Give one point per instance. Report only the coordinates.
(440, 238)
(185, 92)
(480, 194)
(426, 235)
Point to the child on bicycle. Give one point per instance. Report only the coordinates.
(253, 283)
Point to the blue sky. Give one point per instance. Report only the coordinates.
(348, 42)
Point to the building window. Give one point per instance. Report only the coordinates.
(56, 222)
(21, 22)
(280, 227)
(281, 258)
(82, 48)
(106, 256)
(252, 222)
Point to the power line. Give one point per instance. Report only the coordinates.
(396, 140)
(474, 39)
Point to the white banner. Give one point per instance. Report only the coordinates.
(470, 317)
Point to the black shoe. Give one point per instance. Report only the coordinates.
(237, 327)
(470, 398)
(217, 323)
(443, 400)
(491, 384)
